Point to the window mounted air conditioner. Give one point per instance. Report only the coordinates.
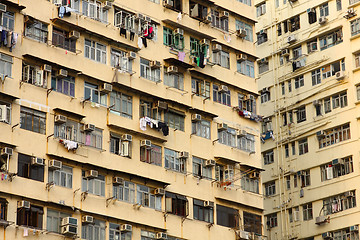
(23, 204)
(322, 20)
(69, 230)
(57, 2)
(139, 16)
(60, 119)
(6, 152)
(349, 194)
(327, 235)
(2, 7)
(37, 161)
(145, 143)
(106, 88)
(168, 3)
(316, 102)
(162, 105)
(265, 89)
(3, 113)
(132, 55)
(107, 5)
(208, 19)
(118, 181)
(313, 47)
(350, 13)
(340, 75)
(354, 228)
(62, 73)
(126, 228)
(74, 35)
(126, 137)
(148, 19)
(205, 42)
(291, 39)
(196, 117)
(243, 235)
(69, 221)
(263, 60)
(320, 134)
(217, 48)
(55, 164)
(179, 31)
(47, 68)
(209, 204)
(159, 191)
(310, 10)
(254, 175)
(210, 163)
(89, 127)
(172, 69)
(161, 235)
(241, 57)
(241, 132)
(183, 154)
(224, 14)
(87, 219)
(320, 220)
(285, 52)
(222, 126)
(223, 89)
(241, 33)
(155, 64)
(91, 174)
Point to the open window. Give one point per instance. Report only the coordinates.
(176, 204)
(198, 11)
(29, 215)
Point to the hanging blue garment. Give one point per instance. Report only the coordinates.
(61, 11)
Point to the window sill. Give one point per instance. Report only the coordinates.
(357, 103)
(356, 69)
(354, 5)
(356, 36)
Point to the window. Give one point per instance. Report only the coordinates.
(3, 209)
(261, 9)
(335, 135)
(288, 182)
(270, 188)
(246, 143)
(200, 169)
(221, 22)
(332, 69)
(174, 120)
(32, 120)
(227, 137)
(69, 130)
(307, 212)
(318, 107)
(203, 213)
(6, 62)
(327, 105)
(125, 192)
(222, 59)
(95, 51)
(168, 36)
(286, 146)
(357, 60)
(266, 125)
(201, 128)
(60, 39)
(247, 2)
(271, 220)
(248, 183)
(279, 32)
(303, 146)
(63, 85)
(5, 108)
(8, 20)
(74, 4)
(301, 114)
(295, 181)
(152, 74)
(294, 23)
(249, 28)
(121, 104)
(174, 162)
(312, 46)
(176, 5)
(62, 177)
(36, 30)
(324, 10)
(345, 233)
(252, 223)
(195, 47)
(293, 148)
(297, 52)
(94, 10)
(93, 231)
(147, 235)
(290, 213)
(92, 93)
(246, 67)
(200, 87)
(355, 27)
(289, 86)
(145, 198)
(338, 5)
(305, 178)
(358, 92)
(268, 157)
(262, 37)
(299, 81)
(116, 234)
(339, 100)
(225, 174)
(283, 88)
(331, 39)
(221, 95)
(53, 220)
(178, 41)
(265, 96)
(32, 217)
(341, 167)
(198, 11)
(227, 217)
(151, 155)
(175, 80)
(92, 139)
(120, 60)
(34, 75)
(312, 16)
(339, 203)
(263, 67)
(94, 186)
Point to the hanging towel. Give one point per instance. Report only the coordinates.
(8, 39)
(181, 56)
(143, 124)
(61, 11)
(123, 32)
(164, 128)
(26, 232)
(201, 60)
(140, 43)
(179, 17)
(144, 41)
(132, 35)
(70, 145)
(3, 37)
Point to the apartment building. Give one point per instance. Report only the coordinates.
(308, 66)
(129, 120)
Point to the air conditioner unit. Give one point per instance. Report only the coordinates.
(6, 152)
(254, 175)
(47, 68)
(208, 19)
(89, 127)
(161, 235)
(313, 46)
(263, 60)
(354, 228)
(320, 134)
(196, 117)
(126, 137)
(69, 221)
(208, 204)
(285, 52)
(205, 42)
(241, 33)
(310, 10)
(316, 102)
(183, 154)
(106, 88)
(162, 105)
(241, 132)
(265, 89)
(172, 69)
(322, 20)
(62, 73)
(87, 219)
(131, 55)
(224, 14)
(148, 19)
(118, 181)
(292, 1)
(60, 119)
(168, 3)
(139, 16)
(320, 220)
(179, 31)
(107, 5)
(217, 47)
(23, 204)
(2, 7)
(210, 163)
(155, 64)
(243, 235)
(126, 228)
(241, 57)
(91, 174)
(3, 113)
(74, 35)
(223, 89)
(327, 235)
(69, 230)
(222, 126)
(350, 13)
(291, 38)
(145, 143)
(349, 194)
(37, 161)
(339, 75)
(55, 164)
(57, 2)
(159, 191)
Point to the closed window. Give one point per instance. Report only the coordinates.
(5, 112)
(201, 128)
(151, 155)
(95, 231)
(125, 192)
(146, 198)
(307, 211)
(116, 234)
(339, 100)
(227, 137)
(248, 183)
(147, 235)
(301, 114)
(92, 94)
(168, 36)
(246, 67)
(249, 28)
(268, 157)
(221, 96)
(355, 27)
(252, 223)
(247, 2)
(63, 85)
(200, 169)
(316, 77)
(305, 178)
(53, 220)
(271, 220)
(6, 62)
(95, 51)
(270, 188)
(32, 217)
(62, 177)
(94, 186)
(175, 80)
(174, 162)
(324, 10)
(200, 87)
(174, 120)
(332, 39)
(227, 217)
(261, 9)
(120, 60)
(299, 81)
(221, 58)
(312, 46)
(94, 10)
(218, 21)
(202, 212)
(36, 30)
(32, 120)
(60, 38)
(263, 67)
(335, 135)
(303, 146)
(357, 60)
(338, 5)
(358, 92)
(92, 138)
(121, 104)
(8, 20)
(152, 74)
(3, 209)
(246, 143)
(265, 96)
